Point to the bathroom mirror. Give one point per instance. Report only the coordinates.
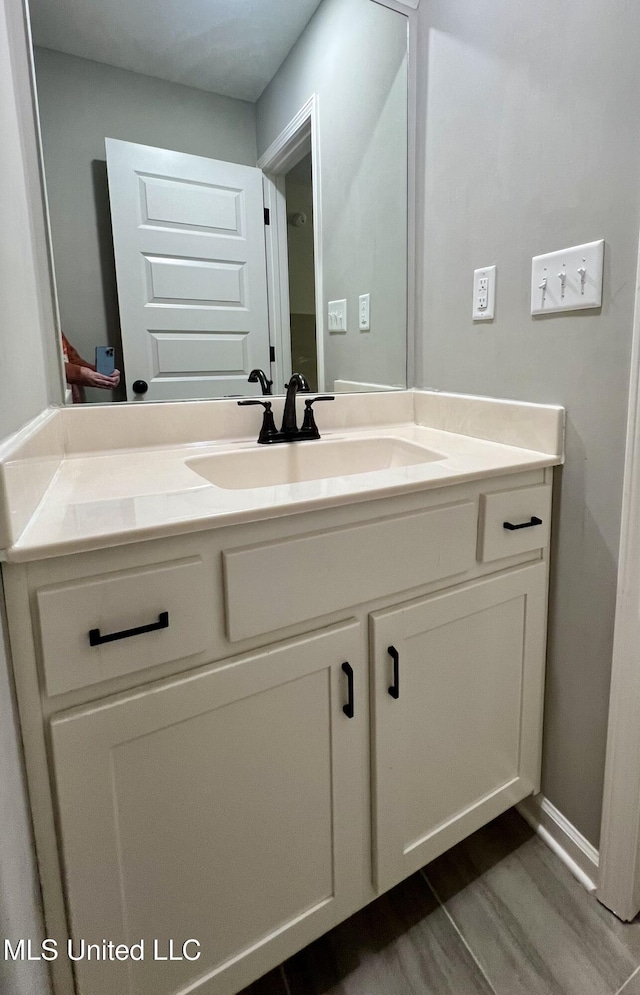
(227, 190)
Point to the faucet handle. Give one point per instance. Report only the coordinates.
(323, 397)
(268, 432)
(309, 427)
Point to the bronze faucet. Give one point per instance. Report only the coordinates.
(289, 431)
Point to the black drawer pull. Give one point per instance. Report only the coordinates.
(348, 709)
(525, 525)
(394, 690)
(95, 639)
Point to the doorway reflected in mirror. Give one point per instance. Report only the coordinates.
(302, 290)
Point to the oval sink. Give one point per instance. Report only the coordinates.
(293, 463)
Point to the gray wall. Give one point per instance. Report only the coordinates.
(529, 142)
(353, 55)
(82, 103)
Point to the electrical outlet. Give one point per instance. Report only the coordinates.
(364, 322)
(484, 293)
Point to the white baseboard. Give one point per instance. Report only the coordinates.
(576, 852)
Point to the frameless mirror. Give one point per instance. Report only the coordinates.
(227, 193)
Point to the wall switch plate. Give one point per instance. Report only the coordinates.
(567, 280)
(337, 316)
(364, 310)
(484, 293)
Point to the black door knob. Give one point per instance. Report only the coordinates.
(140, 386)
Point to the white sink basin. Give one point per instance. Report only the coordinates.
(291, 463)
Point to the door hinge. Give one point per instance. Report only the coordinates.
(267, 216)
(272, 354)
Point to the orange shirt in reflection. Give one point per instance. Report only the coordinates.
(73, 362)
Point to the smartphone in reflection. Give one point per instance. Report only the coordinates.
(105, 360)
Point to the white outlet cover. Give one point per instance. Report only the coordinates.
(337, 316)
(484, 303)
(364, 313)
(547, 293)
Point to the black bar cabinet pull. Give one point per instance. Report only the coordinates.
(525, 525)
(394, 690)
(348, 708)
(95, 639)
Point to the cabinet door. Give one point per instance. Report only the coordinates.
(224, 806)
(461, 741)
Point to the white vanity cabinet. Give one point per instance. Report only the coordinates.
(221, 806)
(457, 698)
(204, 781)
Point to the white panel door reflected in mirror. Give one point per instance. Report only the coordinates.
(188, 238)
(225, 83)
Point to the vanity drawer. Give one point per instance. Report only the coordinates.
(283, 583)
(168, 602)
(527, 509)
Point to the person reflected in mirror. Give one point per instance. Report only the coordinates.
(80, 374)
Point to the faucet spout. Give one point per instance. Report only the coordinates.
(289, 423)
(259, 376)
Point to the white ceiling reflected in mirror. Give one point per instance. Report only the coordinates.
(223, 180)
(231, 47)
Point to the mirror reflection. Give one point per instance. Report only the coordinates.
(227, 191)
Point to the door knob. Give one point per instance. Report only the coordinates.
(140, 386)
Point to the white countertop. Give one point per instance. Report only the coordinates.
(105, 498)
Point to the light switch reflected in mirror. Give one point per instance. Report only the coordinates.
(216, 175)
